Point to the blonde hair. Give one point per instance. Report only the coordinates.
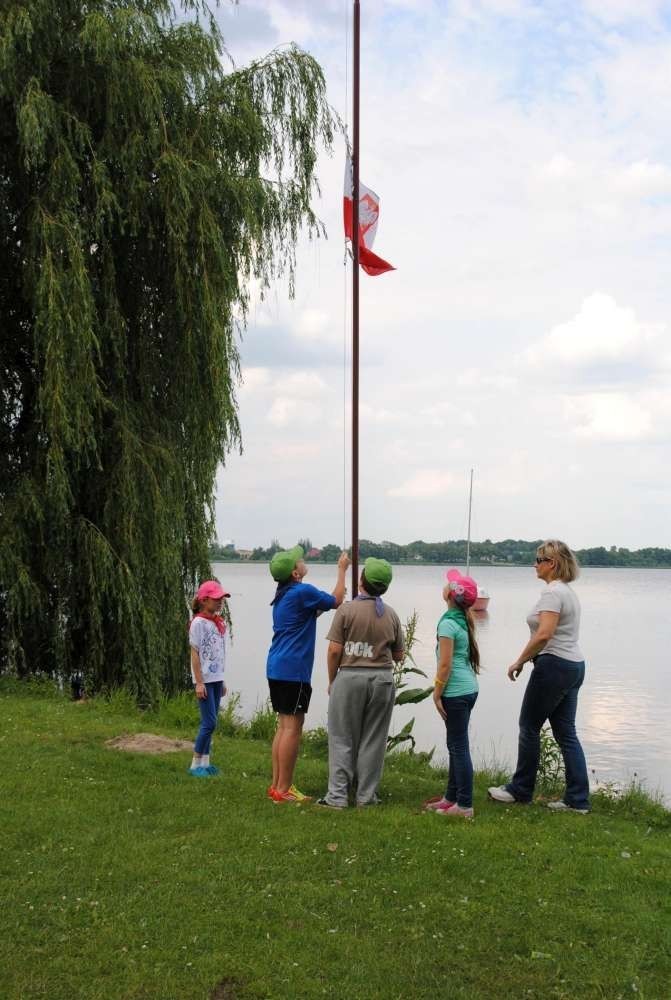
(566, 564)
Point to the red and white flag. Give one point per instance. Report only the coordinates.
(369, 211)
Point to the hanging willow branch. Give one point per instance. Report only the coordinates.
(142, 185)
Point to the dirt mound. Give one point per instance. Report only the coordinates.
(148, 743)
(227, 989)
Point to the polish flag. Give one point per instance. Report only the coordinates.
(369, 211)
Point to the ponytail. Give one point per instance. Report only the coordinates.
(474, 652)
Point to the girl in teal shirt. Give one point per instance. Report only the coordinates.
(456, 690)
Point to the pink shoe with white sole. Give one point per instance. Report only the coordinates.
(438, 802)
(452, 809)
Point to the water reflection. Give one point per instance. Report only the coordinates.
(627, 733)
(482, 619)
(609, 715)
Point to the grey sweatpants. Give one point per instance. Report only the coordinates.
(360, 707)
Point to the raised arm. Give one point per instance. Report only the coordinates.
(340, 588)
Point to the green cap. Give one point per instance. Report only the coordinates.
(283, 563)
(377, 571)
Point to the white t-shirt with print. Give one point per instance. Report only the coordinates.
(558, 597)
(212, 648)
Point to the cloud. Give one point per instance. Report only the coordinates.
(612, 12)
(444, 413)
(267, 345)
(254, 379)
(380, 415)
(590, 188)
(301, 384)
(317, 324)
(559, 168)
(601, 332)
(612, 417)
(524, 161)
(479, 378)
(482, 10)
(304, 384)
(295, 452)
(244, 26)
(643, 179)
(285, 410)
(296, 399)
(423, 484)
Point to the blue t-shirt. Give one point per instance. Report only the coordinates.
(292, 651)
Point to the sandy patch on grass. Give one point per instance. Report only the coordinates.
(227, 989)
(147, 743)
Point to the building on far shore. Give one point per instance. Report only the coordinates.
(245, 553)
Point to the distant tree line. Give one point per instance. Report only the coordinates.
(510, 552)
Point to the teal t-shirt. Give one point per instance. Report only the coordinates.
(462, 679)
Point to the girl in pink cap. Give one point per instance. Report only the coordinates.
(209, 644)
(456, 690)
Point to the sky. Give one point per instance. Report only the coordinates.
(522, 153)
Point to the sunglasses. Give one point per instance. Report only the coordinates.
(542, 559)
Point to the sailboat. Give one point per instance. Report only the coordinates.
(482, 600)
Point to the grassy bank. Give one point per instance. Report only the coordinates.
(124, 878)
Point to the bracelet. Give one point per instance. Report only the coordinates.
(437, 680)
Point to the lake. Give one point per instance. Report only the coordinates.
(624, 713)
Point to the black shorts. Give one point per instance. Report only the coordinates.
(289, 697)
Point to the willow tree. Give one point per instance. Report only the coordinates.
(144, 182)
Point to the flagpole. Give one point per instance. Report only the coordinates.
(356, 46)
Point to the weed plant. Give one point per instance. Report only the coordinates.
(404, 695)
(262, 724)
(316, 742)
(36, 686)
(551, 775)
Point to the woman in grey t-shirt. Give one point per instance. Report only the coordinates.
(552, 691)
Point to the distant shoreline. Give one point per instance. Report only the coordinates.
(424, 563)
(453, 552)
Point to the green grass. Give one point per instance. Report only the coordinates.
(121, 877)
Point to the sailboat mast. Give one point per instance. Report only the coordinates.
(356, 48)
(468, 540)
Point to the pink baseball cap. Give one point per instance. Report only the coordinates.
(211, 589)
(464, 588)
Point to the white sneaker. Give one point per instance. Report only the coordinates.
(561, 806)
(501, 794)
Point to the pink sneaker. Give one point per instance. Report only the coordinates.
(452, 809)
(437, 802)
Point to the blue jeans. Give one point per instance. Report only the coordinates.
(460, 775)
(209, 710)
(552, 694)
